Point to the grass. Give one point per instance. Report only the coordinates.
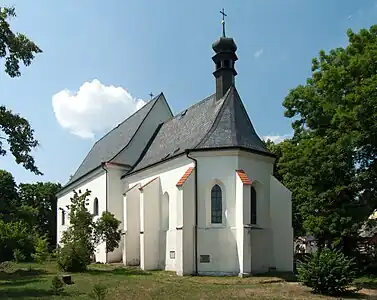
(32, 281)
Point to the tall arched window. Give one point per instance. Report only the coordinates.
(63, 217)
(216, 205)
(253, 206)
(95, 207)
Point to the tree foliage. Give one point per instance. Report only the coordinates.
(330, 163)
(84, 234)
(27, 214)
(41, 196)
(14, 129)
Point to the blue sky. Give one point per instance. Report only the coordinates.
(159, 46)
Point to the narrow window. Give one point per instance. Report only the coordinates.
(63, 217)
(253, 206)
(218, 65)
(216, 205)
(226, 63)
(95, 207)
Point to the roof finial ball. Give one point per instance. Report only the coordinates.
(224, 44)
(223, 20)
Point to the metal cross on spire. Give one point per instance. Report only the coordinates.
(223, 20)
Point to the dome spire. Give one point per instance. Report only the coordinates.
(225, 57)
(223, 20)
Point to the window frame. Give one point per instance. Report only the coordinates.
(63, 217)
(253, 206)
(219, 202)
(95, 207)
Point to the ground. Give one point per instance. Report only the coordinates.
(32, 281)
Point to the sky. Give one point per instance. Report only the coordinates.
(101, 60)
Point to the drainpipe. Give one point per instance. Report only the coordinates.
(103, 166)
(196, 212)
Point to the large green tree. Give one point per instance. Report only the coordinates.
(16, 48)
(41, 197)
(330, 164)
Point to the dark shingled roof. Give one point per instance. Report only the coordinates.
(113, 142)
(207, 124)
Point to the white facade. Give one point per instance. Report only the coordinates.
(105, 184)
(160, 216)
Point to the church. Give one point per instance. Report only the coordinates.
(195, 191)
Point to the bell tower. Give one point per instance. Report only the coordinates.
(224, 59)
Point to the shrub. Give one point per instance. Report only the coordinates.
(15, 235)
(99, 292)
(84, 234)
(18, 256)
(73, 257)
(41, 247)
(327, 272)
(57, 285)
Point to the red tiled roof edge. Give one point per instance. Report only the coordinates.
(185, 177)
(243, 176)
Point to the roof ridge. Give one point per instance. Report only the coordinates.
(138, 128)
(150, 101)
(225, 99)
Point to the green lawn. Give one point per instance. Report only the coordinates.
(32, 281)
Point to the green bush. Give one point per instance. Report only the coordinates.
(73, 257)
(15, 235)
(18, 256)
(57, 285)
(41, 253)
(327, 272)
(99, 292)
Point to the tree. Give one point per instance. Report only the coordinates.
(8, 196)
(330, 164)
(41, 196)
(16, 131)
(84, 234)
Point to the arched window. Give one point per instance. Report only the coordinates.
(216, 205)
(63, 217)
(253, 206)
(95, 207)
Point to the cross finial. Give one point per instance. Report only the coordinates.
(151, 95)
(223, 20)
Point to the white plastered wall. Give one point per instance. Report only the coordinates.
(169, 174)
(259, 169)
(281, 216)
(217, 240)
(96, 183)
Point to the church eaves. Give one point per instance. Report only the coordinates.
(113, 142)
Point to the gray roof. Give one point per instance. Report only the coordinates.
(207, 124)
(113, 142)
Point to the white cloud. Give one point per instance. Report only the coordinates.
(258, 53)
(93, 108)
(277, 138)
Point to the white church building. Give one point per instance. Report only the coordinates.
(195, 191)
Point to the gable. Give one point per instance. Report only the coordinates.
(115, 141)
